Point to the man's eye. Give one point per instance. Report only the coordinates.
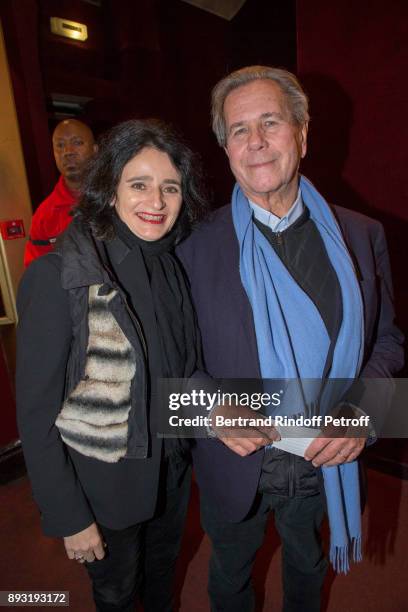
(270, 123)
(239, 131)
(138, 186)
(78, 143)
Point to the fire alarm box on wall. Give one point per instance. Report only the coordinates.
(12, 229)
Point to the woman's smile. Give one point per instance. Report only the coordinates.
(151, 218)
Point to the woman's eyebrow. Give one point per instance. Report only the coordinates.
(172, 182)
(139, 178)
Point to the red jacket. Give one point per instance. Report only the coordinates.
(49, 220)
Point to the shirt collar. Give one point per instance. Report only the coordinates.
(279, 224)
(63, 196)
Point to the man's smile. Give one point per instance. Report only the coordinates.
(260, 164)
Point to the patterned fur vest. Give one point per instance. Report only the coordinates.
(93, 419)
(103, 415)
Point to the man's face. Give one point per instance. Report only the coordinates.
(73, 145)
(264, 146)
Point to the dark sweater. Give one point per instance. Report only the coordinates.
(301, 248)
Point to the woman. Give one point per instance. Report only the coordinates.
(101, 319)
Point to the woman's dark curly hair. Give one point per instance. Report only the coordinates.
(116, 148)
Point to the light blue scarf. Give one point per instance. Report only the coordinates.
(293, 342)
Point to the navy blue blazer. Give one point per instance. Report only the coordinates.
(211, 259)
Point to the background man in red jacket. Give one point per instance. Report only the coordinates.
(73, 144)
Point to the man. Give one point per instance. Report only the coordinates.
(284, 287)
(73, 144)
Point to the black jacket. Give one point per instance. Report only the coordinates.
(211, 259)
(73, 490)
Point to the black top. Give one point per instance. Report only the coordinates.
(301, 248)
(153, 282)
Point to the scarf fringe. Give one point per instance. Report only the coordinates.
(339, 555)
(357, 553)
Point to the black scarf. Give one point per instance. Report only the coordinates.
(174, 314)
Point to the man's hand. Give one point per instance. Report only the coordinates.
(242, 439)
(85, 545)
(333, 451)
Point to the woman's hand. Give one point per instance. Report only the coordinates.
(86, 545)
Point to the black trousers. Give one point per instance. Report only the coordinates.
(234, 547)
(141, 559)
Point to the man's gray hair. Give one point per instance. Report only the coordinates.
(291, 88)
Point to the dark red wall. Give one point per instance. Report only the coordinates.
(20, 30)
(353, 59)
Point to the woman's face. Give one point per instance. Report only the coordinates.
(149, 198)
